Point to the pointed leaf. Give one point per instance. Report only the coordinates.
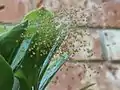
(10, 41)
(51, 71)
(16, 84)
(24, 85)
(21, 53)
(58, 42)
(39, 21)
(6, 75)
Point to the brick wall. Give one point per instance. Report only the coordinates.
(102, 39)
(13, 10)
(103, 29)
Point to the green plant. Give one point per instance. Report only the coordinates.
(26, 52)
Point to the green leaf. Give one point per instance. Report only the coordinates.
(30, 56)
(58, 42)
(29, 65)
(5, 27)
(19, 61)
(51, 71)
(10, 41)
(2, 29)
(27, 47)
(6, 75)
(24, 85)
(40, 22)
(21, 53)
(16, 84)
(47, 61)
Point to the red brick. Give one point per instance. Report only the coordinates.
(13, 10)
(79, 75)
(110, 14)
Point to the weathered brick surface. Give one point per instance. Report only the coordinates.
(74, 76)
(110, 15)
(14, 10)
(105, 77)
(83, 44)
(71, 77)
(110, 44)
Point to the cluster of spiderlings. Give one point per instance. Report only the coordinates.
(48, 30)
(78, 43)
(82, 13)
(73, 15)
(78, 40)
(43, 25)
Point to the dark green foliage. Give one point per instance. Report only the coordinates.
(28, 49)
(6, 75)
(10, 41)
